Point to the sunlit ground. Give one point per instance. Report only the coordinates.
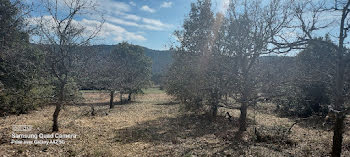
(153, 126)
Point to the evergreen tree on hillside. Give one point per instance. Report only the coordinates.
(185, 76)
(23, 83)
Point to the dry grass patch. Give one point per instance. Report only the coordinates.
(153, 126)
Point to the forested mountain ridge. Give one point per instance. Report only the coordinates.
(161, 59)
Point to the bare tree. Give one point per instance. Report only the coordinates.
(61, 36)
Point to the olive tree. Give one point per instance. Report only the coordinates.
(134, 68)
(308, 19)
(62, 38)
(252, 31)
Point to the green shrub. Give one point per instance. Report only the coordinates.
(305, 101)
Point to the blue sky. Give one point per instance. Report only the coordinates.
(148, 23)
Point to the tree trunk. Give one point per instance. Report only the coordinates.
(58, 108)
(339, 106)
(121, 98)
(243, 117)
(338, 135)
(339, 86)
(246, 92)
(214, 109)
(55, 117)
(129, 96)
(111, 105)
(92, 110)
(214, 103)
(244, 102)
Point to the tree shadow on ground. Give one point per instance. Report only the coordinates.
(168, 103)
(232, 144)
(315, 122)
(125, 102)
(235, 145)
(185, 135)
(320, 124)
(94, 104)
(175, 130)
(166, 129)
(99, 108)
(189, 134)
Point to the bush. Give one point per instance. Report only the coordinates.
(20, 101)
(305, 101)
(312, 86)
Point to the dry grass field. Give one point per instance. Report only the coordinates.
(153, 126)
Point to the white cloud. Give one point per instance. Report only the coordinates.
(132, 3)
(166, 5)
(121, 21)
(146, 23)
(118, 18)
(147, 8)
(223, 5)
(115, 32)
(132, 17)
(110, 5)
(108, 30)
(156, 23)
(123, 17)
(154, 28)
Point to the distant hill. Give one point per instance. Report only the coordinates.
(161, 60)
